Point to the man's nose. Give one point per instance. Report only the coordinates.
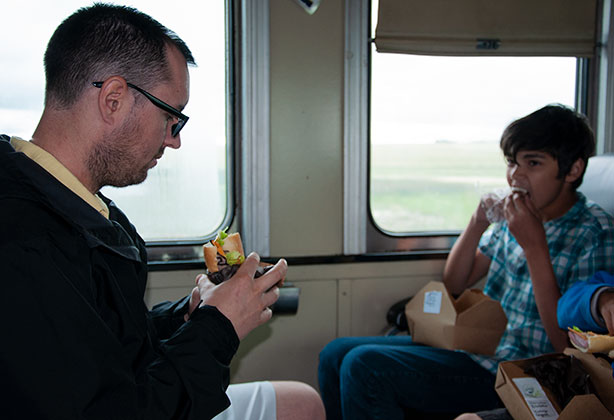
(173, 142)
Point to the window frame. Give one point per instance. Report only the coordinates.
(163, 255)
(248, 125)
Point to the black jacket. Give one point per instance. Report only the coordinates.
(76, 339)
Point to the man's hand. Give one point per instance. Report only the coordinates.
(525, 222)
(242, 299)
(605, 304)
(202, 282)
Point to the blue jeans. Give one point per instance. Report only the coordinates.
(384, 377)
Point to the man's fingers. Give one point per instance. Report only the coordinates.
(271, 296)
(194, 299)
(250, 265)
(193, 304)
(274, 275)
(198, 278)
(266, 315)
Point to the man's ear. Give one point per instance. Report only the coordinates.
(114, 99)
(576, 170)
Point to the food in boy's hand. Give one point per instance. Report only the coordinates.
(520, 190)
(224, 255)
(493, 202)
(589, 342)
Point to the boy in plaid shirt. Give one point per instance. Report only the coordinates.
(551, 236)
(548, 238)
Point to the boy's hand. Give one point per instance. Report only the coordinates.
(606, 309)
(525, 222)
(491, 206)
(466, 264)
(479, 215)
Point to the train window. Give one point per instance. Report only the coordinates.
(441, 93)
(435, 129)
(186, 196)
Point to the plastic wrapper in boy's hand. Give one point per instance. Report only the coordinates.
(492, 202)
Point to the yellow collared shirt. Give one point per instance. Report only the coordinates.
(59, 171)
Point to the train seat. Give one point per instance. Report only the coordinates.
(598, 183)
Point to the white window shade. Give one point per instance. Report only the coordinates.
(488, 27)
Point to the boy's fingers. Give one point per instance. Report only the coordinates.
(608, 317)
(606, 309)
(531, 206)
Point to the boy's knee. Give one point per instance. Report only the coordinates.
(357, 367)
(333, 353)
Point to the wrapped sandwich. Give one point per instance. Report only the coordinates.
(224, 255)
(494, 201)
(589, 342)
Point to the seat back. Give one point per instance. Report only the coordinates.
(598, 183)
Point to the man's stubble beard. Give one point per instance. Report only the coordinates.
(112, 160)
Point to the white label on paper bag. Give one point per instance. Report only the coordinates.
(432, 302)
(536, 399)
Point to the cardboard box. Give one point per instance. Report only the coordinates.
(526, 401)
(473, 322)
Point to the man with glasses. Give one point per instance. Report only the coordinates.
(77, 338)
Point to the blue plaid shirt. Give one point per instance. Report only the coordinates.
(581, 242)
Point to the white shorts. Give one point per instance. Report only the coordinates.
(250, 401)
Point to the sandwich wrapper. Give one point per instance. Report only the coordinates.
(565, 386)
(473, 322)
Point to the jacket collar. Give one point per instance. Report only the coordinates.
(23, 178)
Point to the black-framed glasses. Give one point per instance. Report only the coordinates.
(181, 118)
